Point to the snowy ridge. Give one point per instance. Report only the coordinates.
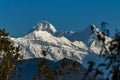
(97, 45)
(81, 46)
(44, 26)
(57, 48)
(86, 35)
(43, 38)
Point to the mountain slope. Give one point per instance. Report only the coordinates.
(57, 48)
(83, 35)
(81, 46)
(44, 26)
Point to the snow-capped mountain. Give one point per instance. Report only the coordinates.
(43, 37)
(78, 46)
(44, 26)
(84, 35)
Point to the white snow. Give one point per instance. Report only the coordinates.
(41, 37)
(45, 26)
(57, 48)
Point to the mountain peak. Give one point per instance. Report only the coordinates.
(44, 26)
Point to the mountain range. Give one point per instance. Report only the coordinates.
(77, 46)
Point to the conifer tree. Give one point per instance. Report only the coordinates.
(9, 54)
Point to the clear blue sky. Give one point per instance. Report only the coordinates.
(18, 16)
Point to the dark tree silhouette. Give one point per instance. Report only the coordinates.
(9, 54)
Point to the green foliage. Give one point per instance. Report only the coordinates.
(9, 54)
